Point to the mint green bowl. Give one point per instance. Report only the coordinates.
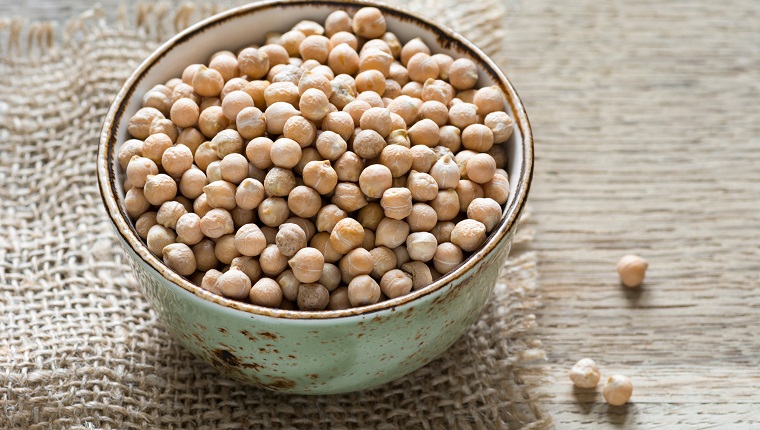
(311, 352)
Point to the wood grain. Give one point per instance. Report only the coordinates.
(647, 129)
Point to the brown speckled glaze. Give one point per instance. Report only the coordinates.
(311, 352)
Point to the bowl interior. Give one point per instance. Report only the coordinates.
(247, 25)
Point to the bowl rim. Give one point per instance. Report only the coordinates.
(446, 38)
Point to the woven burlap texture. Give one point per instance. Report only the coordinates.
(79, 345)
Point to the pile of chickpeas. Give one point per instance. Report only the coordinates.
(332, 167)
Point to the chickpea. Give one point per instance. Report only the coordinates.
(330, 145)
(356, 263)
(286, 92)
(159, 97)
(272, 261)
(159, 237)
(207, 82)
(329, 216)
(422, 186)
(467, 191)
(632, 269)
(618, 389)
(424, 132)
(477, 137)
(205, 155)
(312, 297)
(179, 257)
(463, 74)
(420, 274)
(375, 58)
(273, 211)
(369, 22)
(398, 137)
(422, 67)
(165, 126)
(346, 234)
(368, 144)
(138, 170)
(397, 159)
(201, 206)
(315, 47)
(396, 283)
(154, 146)
(208, 102)
(220, 194)
(276, 54)
(356, 109)
(212, 121)
(501, 124)
(249, 194)
(340, 123)
(320, 176)
(216, 223)
(384, 260)
(422, 218)
(304, 201)
(144, 223)
(489, 99)
(288, 284)
(321, 242)
(481, 168)
(330, 278)
(468, 234)
(585, 373)
(205, 257)
(339, 299)
(445, 172)
(378, 120)
(139, 125)
(497, 189)
(391, 233)
(450, 137)
(266, 292)
(363, 290)
(184, 113)
(349, 197)
(442, 231)
(343, 59)
(446, 205)
(411, 48)
(307, 265)
(369, 216)
(463, 115)
(421, 246)
(369, 240)
(375, 180)
(256, 90)
(159, 189)
(437, 90)
(466, 96)
(208, 282)
(372, 98)
(300, 130)
(291, 40)
(402, 255)
(399, 73)
(169, 212)
(447, 257)
(234, 84)
(423, 158)
(234, 284)
(132, 148)
(337, 21)
(277, 114)
(135, 202)
(314, 104)
(214, 171)
(185, 91)
(270, 234)
(253, 63)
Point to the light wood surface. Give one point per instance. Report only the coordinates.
(647, 129)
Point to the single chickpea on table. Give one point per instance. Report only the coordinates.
(331, 167)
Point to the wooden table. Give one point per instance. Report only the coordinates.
(646, 120)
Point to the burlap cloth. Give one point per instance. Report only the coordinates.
(79, 345)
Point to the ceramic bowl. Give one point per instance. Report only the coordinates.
(311, 352)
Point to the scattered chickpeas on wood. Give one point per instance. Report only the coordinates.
(618, 389)
(331, 167)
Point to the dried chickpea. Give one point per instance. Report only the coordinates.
(363, 290)
(497, 189)
(277, 114)
(368, 22)
(422, 218)
(214, 171)
(188, 228)
(370, 80)
(307, 265)
(180, 258)
(135, 202)
(434, 111)
(169, 212)
(422, 67)
(216, 223)
(356, 109)
(158, 97)
(336, 22)
(463, 115)
(304, 201)
(185, 91)
(467, 191)
(391, 233)
(378, 120)
(234, 284)
(330, 145)
(437, 90)
(321, 242)
(339, 299)
(406, 107)
(138, 170)
(384, 260)
(346, 234)
(442, 231)
(300, 130)
(234, 168)
(316, 47)
(159, 189)
(314, 104)
(165, 126)
(398, 73)
(369, 240)
(272, 261)
(368, 144)
(450, 137)
(356, 263)
(139, 124)
(276, 54)
(312, 297)
(290, 239)
(273, 211)
(421, 246)
(184, 113)
(176, 160)
(154, 146)
(207, 82)
(481, 168)
(500, 124)
(489, 99)
(349, 197)
(447, 257)
(220, 194)
(208, 102)
(320, 176)
(375, 58)
(402, 255)
(343, 59)
(618, 389)
(285, 153)
(234, 84)
(144, 223)
(420, 273)
(288, 284)
(159, 237)
(412, 89)
(422, 186)
(445, 172)
(369, 216)
(374, 99)
(466, 96)
(208, 282)
(444, 64)
(306, 225)
(398, 137)
(397, 158)
(632, 269)
(468, 234)
(411, 48)
(375, 180)
(328, 216)
(258, 152)
(477, 137)
(342, 37)
(205, 155)
(205, 257)
(423, 158)
(253, 63)
(250, 240)
(340, 123)
(397, 203)
(463, 74)
(446, 205)
(330, 278)
(585, 373)
(424, 132)
(132, 148)
(396, 283)
(286, 92)
(212, 121)
(201, 206)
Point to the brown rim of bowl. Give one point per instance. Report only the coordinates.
(446, 37)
